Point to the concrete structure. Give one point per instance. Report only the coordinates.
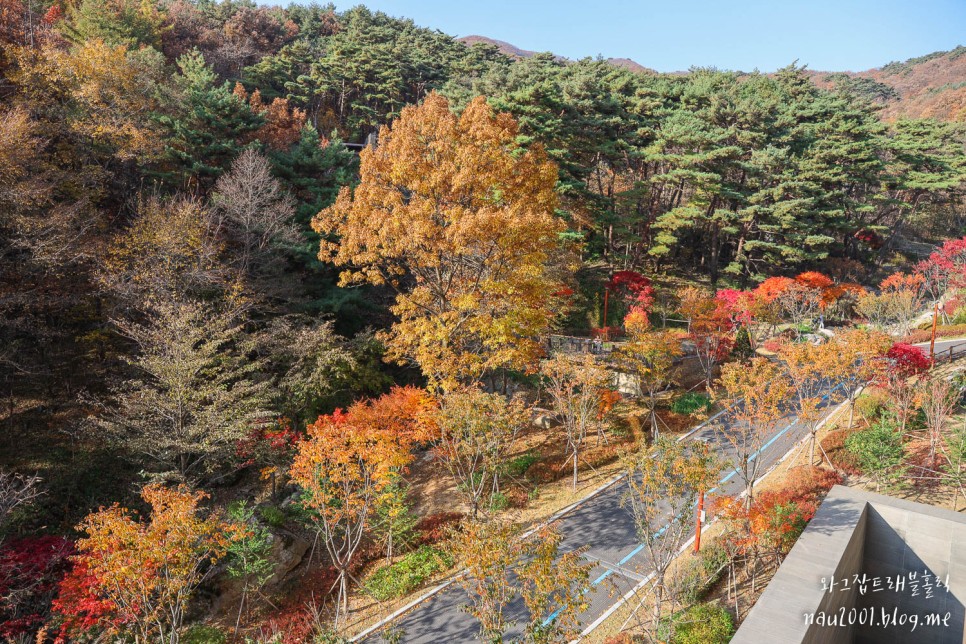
(868, 569)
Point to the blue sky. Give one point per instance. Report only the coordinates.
(673, 35)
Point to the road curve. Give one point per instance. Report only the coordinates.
(606, 529)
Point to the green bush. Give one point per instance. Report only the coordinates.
(407, 574)
(202, 634)
(272, 515)
(520, 465)
(742, 347)
(702, 624)
(872, 403)
(691, 402)
(879, 451)
(701, 573)
(499, 502)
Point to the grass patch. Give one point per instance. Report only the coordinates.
(701, 624)
(407, 574)
(691, 402)
(520, 465)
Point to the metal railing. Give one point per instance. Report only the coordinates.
(953, 352)
(575, 344)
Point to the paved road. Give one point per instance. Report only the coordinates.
(607, 530)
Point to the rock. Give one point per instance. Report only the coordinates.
(287, 556)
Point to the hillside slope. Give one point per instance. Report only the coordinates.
(927, 86)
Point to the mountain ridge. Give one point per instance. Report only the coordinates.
(513, 51)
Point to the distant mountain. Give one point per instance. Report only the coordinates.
(506, 48)
(632, 65)
(933, 85)
(515, 52)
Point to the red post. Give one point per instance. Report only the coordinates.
(606, 293)
(932, 343)
(697, 523)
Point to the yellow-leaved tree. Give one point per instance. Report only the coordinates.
(459, 220)
(135, 578)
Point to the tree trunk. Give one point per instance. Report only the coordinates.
(575, 469)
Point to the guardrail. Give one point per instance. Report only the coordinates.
(953, 352)
(576, 344)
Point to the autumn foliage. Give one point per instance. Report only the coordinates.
(771, 524)
(347, 464)
(30, 570)
(638, 295)
(465, 234)
(132, 576)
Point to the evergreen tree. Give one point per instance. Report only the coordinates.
(131, 23)
(207, 125)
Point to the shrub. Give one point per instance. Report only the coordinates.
(203, 634)
(834, 446)
(808, 483)
(701, 573)
(946, 331)
(407, 574)
(772, 344)
(907, 360)
(272, 515)
(879, 451)
(30, 570)
(872, 403)
(433, 528)
(702, 624)
(499, 502)
(778, 520)
(520, 465)
(691, 402)
(742, 348)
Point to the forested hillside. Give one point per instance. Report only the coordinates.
(170, 304)
(930, 86)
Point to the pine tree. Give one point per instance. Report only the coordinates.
(207, 124)
(131, 23)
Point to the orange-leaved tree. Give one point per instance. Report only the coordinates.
(801, 298)
(663, 483)
(772, 524)
(899, 300)
(859, 358)
(137, 577)
(578, 390)
(710, 327)
(348, 463)
(503, 564)
(650, 358)
(475, 434)
(811, 369)
(755, 396)
(459, 220)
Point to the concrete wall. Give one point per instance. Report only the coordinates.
(860, 533)
(833, 543)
